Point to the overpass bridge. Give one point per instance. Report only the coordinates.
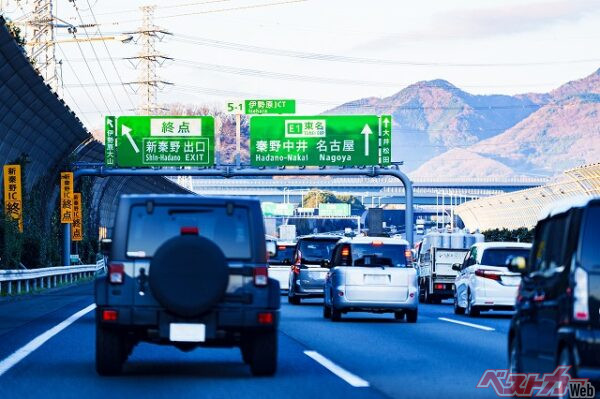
(374, 191)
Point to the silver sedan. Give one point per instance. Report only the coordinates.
(371, 274)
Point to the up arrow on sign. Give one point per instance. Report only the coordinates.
(366, 132)
(125, 131)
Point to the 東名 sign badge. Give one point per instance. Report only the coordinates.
(323, 140)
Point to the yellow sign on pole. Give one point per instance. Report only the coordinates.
(77, 227)
(13, 202)
(66, 197)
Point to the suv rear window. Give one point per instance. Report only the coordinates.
(366, 255)
(590, 255)
(499, 256)
(148, 231)
(315, 250)
(284, 253)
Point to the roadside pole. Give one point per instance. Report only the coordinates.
(238, 139)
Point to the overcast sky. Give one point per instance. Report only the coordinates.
(491, 46)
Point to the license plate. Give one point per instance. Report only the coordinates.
(187, 332)
(511, 280)
(377, 278)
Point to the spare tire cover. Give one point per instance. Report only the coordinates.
(188, 275)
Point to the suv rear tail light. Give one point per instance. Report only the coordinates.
(439, 286)
(487, 274)
(377, 243)
(261, 276)
(298, 258)
(116, 273)
(110, 315)
(581, 309)
(265, 318)
(295, 269)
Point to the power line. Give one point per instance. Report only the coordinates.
(91, 74)
(78, 80)
(111, 58)
(132, 10)
(96, 55)
(239, 8)
(357, 60)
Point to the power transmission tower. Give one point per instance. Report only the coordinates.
(147, 61)
(39, 40)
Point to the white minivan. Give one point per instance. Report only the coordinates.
(484, 281)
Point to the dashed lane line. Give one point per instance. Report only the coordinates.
(464, 323)
(41, 339)
(345, 375)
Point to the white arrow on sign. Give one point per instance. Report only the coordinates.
(366, 131)
(125, 131)
(386, 122)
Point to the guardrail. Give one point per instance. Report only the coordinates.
(23, 281)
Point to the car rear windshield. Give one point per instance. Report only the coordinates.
(499, 256)
(315, 250)
(590, 255)
(369, 255)
(285, 253)
(148, 231)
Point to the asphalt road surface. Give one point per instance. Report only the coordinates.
(364, 356)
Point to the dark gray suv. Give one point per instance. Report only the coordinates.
(187, 271)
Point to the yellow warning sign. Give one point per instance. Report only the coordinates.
(13, 202)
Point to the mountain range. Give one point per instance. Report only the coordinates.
(439, 129)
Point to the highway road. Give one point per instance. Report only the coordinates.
(364, 356)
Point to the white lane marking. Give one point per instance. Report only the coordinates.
(464, 323)
(345, 375)
(40, 340)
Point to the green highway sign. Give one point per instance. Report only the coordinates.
(322, 140)
(144, 141)
(338, 210)
(258, 107)
(110, 141)
(277, 209)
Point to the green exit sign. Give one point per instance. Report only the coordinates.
(148, 141)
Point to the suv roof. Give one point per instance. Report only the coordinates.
(502, 244)
(565, 205)
(370, 240)
(180, 199)
(319, 237)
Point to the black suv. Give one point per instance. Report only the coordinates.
(557, 320)
(187, 271)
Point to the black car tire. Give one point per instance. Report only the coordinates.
(471, 311)
(336, 314)
(412, 315)
(399, 315)
(188, 275)
(262, 354)
(111, 351)
(457, 309)
(514, 356)
(326, 312)
(294, 300)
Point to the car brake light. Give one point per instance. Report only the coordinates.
(487, 274)
(439, 286)
(346, 251)
(408, 255)
(581, 310)
(298, 258)
(116, 273)
(261, 276)
(377, 243)
(189, 231)
(295, 269)
(265, 318)
(110, 315)
(281, 247)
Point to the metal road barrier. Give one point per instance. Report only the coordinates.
(23, 281)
